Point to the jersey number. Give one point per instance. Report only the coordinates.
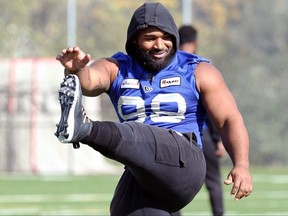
(158, 104)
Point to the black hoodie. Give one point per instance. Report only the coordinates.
(151, 14)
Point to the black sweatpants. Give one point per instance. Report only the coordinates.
(164, 169)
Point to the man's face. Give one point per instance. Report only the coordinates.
(154, 49)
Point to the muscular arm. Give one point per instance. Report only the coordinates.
(95, 78)
(223, 111)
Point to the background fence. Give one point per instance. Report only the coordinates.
(29, 112)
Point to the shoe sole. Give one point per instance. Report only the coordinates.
(68, 93)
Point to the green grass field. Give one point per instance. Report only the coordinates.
(91, 195)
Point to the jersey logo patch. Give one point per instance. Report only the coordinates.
(130, 84)
(148, 89)
(174, 81)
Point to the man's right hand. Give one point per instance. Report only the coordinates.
(73, 58)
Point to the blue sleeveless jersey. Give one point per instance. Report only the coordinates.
(167, 99)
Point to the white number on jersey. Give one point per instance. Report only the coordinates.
(158, 115)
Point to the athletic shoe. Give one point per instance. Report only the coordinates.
(74, 125)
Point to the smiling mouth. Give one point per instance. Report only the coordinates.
(158, 54)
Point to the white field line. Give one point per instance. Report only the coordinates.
(275, 179)
(32, 198)
(61, 212)
(45, 178)
(107, 197)
(35, 211)
(237, 214)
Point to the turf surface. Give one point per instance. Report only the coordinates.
(91, 195)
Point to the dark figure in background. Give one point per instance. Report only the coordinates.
(162, 96)
(213, 150)
(211, 140)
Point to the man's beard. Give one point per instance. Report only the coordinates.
(150, 64)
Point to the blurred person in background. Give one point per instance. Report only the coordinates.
(211, 140)
(161, 96)
(188, 39)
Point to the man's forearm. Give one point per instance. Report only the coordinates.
(236, 141)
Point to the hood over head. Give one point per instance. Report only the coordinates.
(151, 14)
